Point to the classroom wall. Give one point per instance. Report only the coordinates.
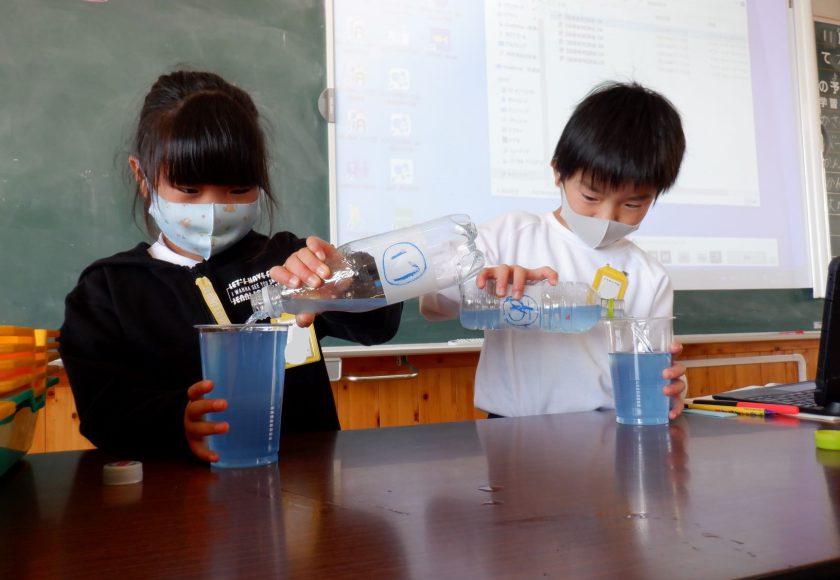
(826, 8)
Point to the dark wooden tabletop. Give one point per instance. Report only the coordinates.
(564, 496)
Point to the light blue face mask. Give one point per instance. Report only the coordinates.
(204, 228)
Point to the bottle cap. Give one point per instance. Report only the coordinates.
(827, 439)
(122, 473)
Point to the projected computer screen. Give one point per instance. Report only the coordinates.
(447, 106)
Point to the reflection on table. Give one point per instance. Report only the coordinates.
(565, 495)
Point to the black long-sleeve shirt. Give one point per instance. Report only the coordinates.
(131, 352)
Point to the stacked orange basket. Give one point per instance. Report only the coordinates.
(24, 357)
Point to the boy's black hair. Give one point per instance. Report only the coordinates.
(622, 133)
(196, 128)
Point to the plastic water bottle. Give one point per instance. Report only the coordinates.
(384, 269)
(567, 307)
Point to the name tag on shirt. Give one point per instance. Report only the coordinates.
(301, 343)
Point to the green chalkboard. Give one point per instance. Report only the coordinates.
(72, 77)
(728, 311)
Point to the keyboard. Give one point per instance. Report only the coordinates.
(801, 399)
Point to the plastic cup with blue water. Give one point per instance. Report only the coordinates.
(246, 363)
(639, 350)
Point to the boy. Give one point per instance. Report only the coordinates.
(621, 148)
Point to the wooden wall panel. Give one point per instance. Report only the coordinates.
(710, 380)
(443, 391)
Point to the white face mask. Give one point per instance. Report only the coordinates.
(203, 228)
(594, 232)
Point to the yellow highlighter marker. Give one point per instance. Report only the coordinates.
(737, 410)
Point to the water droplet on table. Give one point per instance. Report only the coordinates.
(491, 488)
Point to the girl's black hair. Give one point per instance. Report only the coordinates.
(622, 133)
(196, 128)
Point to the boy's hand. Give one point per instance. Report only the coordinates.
(306, 266)
(517, 275)
(676, 387)
(195, 427)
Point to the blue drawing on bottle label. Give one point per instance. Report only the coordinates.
(522, 312)
(403, 263)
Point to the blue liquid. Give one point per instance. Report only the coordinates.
(490, 319)
(299, 305)
(247, 368)
(571, 319)
(640, 402)
(522, 316)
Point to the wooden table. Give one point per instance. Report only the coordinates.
(564, 496)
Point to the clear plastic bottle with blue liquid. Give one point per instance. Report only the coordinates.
(384, 269)
(569, 307)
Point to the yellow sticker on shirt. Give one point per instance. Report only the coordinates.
(301, 343)
(610, 283)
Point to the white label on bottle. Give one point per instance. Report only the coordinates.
(404, 267)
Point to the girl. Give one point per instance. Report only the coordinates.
(131, 353)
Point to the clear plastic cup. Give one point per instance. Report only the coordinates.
(639, 350)
(246, 363)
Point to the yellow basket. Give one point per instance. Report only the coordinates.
(18, 416)
(16, 339)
